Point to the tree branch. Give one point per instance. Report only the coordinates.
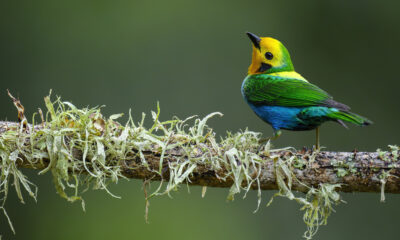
(355, 171)
(81, 147)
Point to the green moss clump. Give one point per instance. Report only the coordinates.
(317, 203)
(344, 168)
(384, 175)
(82, 149)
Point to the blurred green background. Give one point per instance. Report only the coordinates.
(192, 57)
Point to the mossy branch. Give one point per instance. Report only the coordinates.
(82, 148)
(354, 171)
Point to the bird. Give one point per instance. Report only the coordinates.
(283, 98)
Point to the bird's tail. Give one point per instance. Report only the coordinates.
(350, 117)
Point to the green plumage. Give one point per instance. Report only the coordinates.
(283, 98)
(314, 105)
(279, 91)
(349, 117)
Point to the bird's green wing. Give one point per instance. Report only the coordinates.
(278, 91)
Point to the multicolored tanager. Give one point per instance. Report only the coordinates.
(283, 98)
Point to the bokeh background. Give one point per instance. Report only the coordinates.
(192, 57)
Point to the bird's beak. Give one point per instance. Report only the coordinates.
(255, 39)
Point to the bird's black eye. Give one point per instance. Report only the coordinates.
(269, 55)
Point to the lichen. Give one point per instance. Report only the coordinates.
(394, 154)
(83, 150)
(317, 203)
(344, 168)
(385, 174)
(72, 141)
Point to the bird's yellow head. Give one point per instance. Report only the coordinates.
(269, 56)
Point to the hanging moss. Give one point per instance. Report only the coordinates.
(84, 150)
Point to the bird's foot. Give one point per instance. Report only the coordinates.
(317, 148)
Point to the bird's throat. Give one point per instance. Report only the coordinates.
(257, 65)
(264, 67)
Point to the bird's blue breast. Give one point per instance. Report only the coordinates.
(278, 117)
(289, 118)
(281, 117)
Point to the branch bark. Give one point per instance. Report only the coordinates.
(356, 171)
